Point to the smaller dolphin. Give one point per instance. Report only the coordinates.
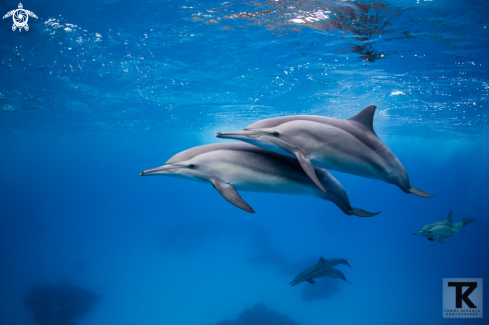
(317, 269)
(332, 273)
(443, 229)
(236, 166)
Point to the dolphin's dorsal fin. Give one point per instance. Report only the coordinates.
(365, 117)
(321, 259)
(449, 217)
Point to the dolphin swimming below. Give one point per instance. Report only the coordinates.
(350, 146)
(443, 229)
(319, 269)
(240, 166)
(331, 273)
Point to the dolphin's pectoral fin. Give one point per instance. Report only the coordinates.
(430, 239)
(362, 213)
(418, 192)
(439, 240)
(308, 168)
(311, 281)
(231, 195)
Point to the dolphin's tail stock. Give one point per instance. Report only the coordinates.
(362, 213)
(467, 221)
(418, 192)
(337, 194)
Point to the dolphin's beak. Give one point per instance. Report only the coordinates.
(160, 170)
(238, 135)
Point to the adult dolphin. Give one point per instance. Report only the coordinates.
(349, 146)
(320, 269)
(443, 229)
(240, 166)
(331, 273)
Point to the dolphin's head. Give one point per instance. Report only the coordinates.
(267, 138)
(425, 233)
(185, 169)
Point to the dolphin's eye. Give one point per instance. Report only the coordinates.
(429, 231)
(276, 134)
(191, 166)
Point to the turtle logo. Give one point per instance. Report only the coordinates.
(20, 17)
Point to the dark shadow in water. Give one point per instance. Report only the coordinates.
(323, 289)
(259, 315)
(270, 256)
(267, 255)
(186, 237)
(61, 304)
(362, 21)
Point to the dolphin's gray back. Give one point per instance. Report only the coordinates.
(355, 129)
(233, 146)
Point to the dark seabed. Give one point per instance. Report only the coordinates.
(97, 91)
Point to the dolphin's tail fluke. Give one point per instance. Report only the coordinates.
(293, 283)
(418, 192)
(467, 221)
(346, 261)
(362, 213)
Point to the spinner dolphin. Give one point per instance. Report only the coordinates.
(240, 166)
(349, 146)
(321, 269)
(443, 229)
(331, 273)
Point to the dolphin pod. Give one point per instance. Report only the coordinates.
(350, 146)
(240, 166)
(443, 229)
(322, 269)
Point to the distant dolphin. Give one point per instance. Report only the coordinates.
(332, 273)
(349, 146)
(235, 165)
(443, 229)
(317, 269)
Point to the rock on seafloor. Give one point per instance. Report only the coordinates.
(259, 315)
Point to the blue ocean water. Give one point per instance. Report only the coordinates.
(96, 91)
